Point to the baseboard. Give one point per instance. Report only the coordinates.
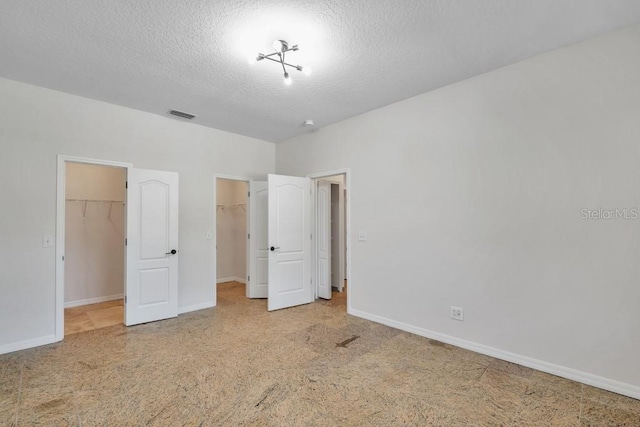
(96, 300)
(196, 307)
(540, 365)
(231, 279)
(49, 339)
(23, 345)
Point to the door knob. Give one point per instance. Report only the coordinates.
(273, 248)
(173, 252)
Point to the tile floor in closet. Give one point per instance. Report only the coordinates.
(93, 316)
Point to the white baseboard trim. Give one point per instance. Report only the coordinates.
(96, 300)
(231, 279)
(49, 339)
(196, 307)
(23, 345)
(540, 365)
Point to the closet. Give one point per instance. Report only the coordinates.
(231, 230)
(94, 246)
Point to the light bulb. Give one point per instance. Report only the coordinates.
(306, 70)
(278, 45)
(287, 79)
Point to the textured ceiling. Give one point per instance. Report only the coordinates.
(155, 55)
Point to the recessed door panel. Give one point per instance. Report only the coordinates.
(290, 199)
(154, 286)
(290, 276)
(154, 219)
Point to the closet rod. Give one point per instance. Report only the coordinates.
(85, 201)
(242, 206)
(94, 201)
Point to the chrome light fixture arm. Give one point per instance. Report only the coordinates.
(297, 67)
(281, 48)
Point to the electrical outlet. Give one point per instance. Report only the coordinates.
(457, 313)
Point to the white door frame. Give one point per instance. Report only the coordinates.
(60, 230)
(347, 185)
(215, 234)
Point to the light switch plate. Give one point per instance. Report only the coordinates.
(47, 241)
(362, 236)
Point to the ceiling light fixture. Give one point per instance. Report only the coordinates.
(281, 47)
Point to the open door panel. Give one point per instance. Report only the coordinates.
(152, 246)
(289, 228)
(258, 242)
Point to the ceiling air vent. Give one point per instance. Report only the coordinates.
(181, 114)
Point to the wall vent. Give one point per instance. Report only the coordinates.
(182, 114)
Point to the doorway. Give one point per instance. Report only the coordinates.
(331, 243)
(299, 235)
(231, 236)
(90, 280)
(148, 239)
(283, 257)
(94, 242)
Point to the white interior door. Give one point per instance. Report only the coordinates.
(323, 239)
(289, 241)
(152, 245)
(258, 242)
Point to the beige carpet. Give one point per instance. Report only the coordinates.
(237, 364)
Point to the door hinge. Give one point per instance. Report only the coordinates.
(248, 193)
(126, 184)
(248, 235)
(125, 299)
(126, 241)
(248, 278)
(63, 257)
(311, 236)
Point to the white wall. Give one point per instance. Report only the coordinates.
(472, 196)
(36, 125)
(231, 230)
(94, 234)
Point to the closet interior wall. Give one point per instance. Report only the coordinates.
(231, 230)
(94, 234)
